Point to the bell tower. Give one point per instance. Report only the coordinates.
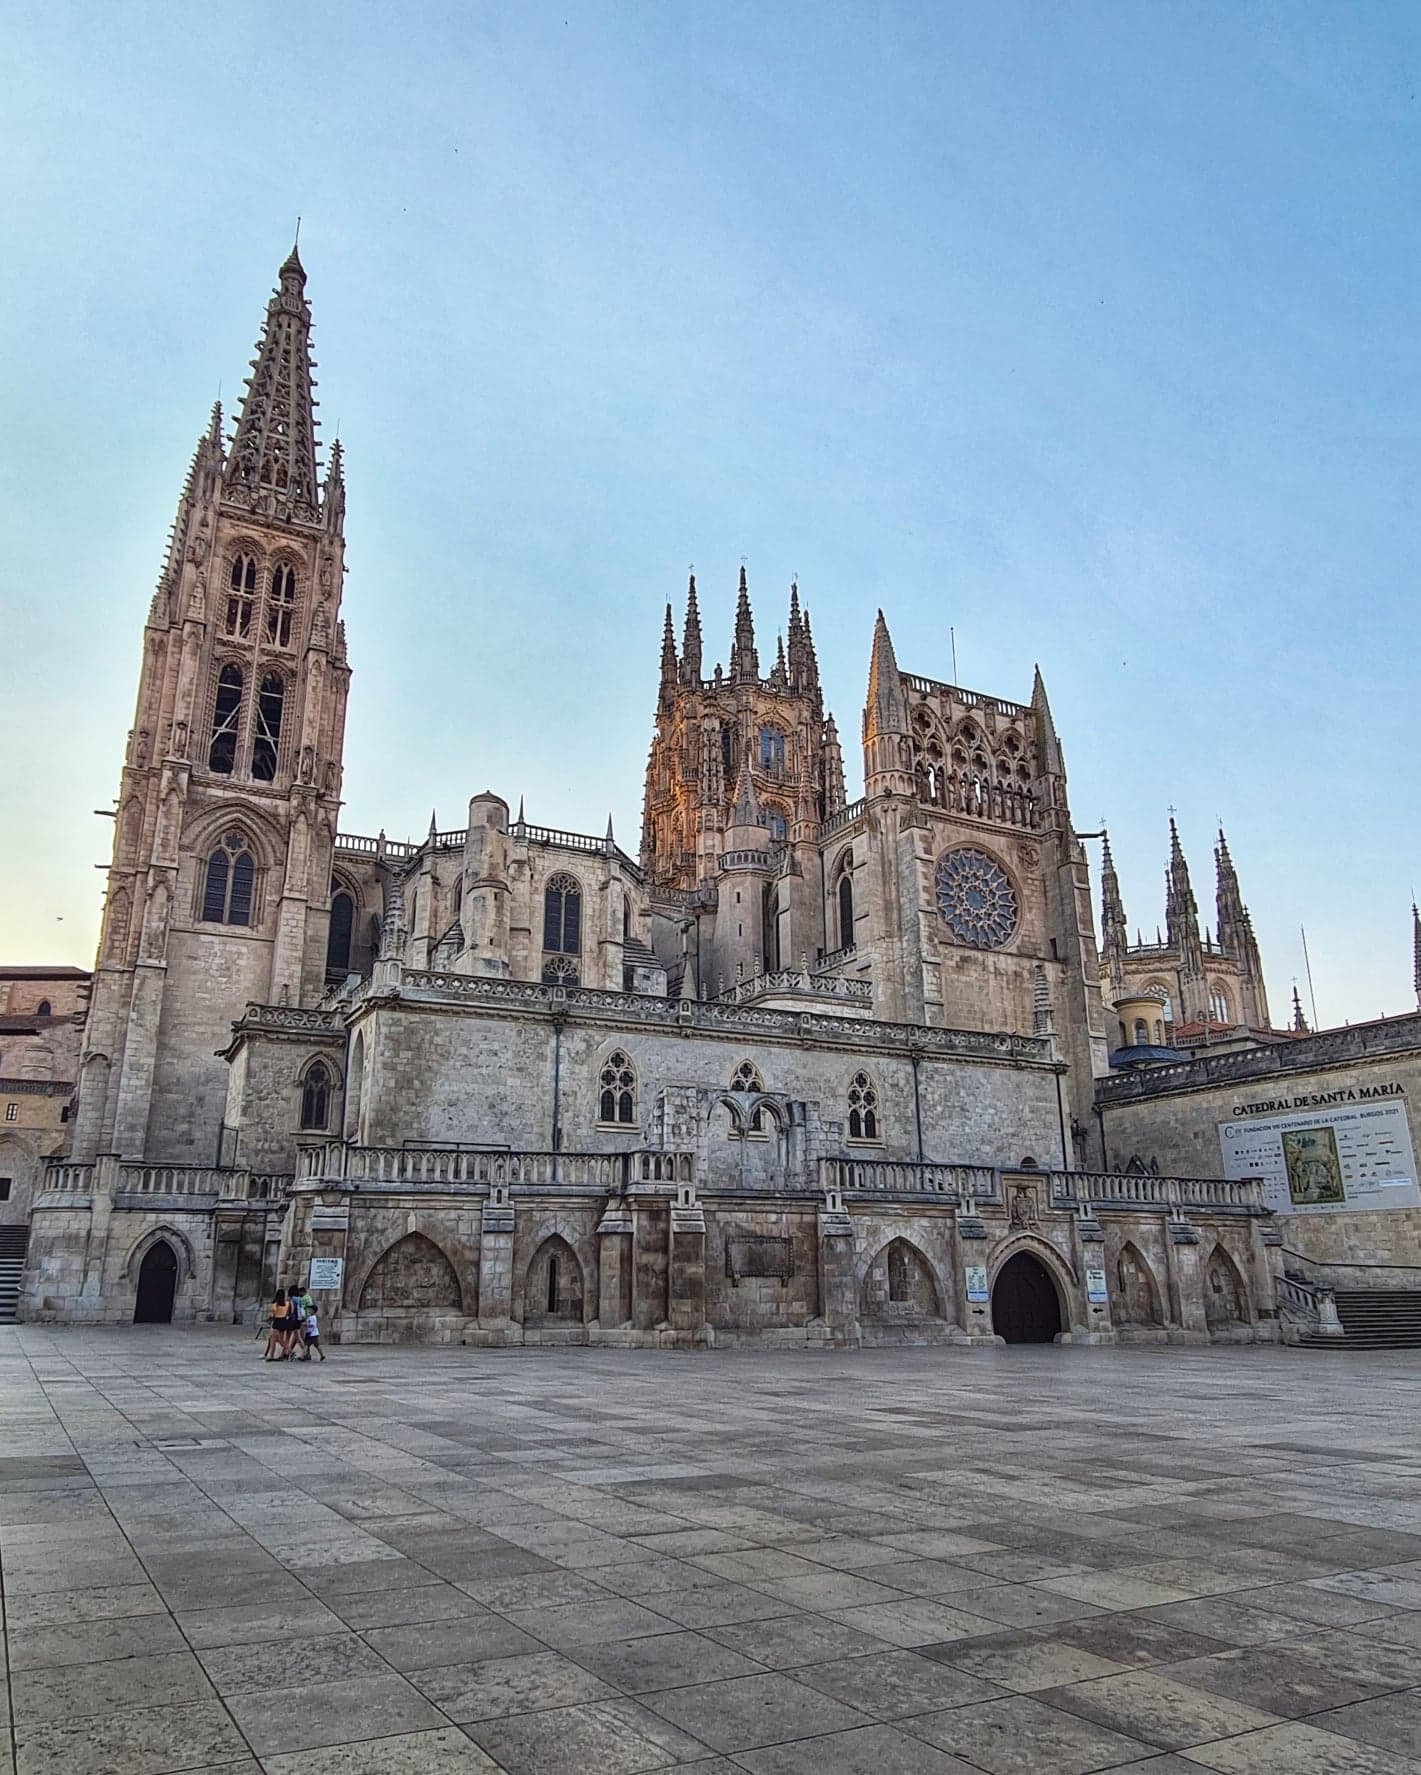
(219, 887)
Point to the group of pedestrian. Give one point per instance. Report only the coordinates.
(293, 1329)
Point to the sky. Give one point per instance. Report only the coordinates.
(1086, 335)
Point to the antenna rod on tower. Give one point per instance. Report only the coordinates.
(1307, 963)
(952, 636)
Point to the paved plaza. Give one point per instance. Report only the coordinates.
(916, 1562)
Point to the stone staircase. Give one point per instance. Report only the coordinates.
(1378, 1319)
(13, 1243)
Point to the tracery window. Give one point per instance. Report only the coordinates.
(772, 751)
(226, 714)
(339, 936)
(280, 605)
(230, 883)
(241, 596)
(1219, 1011)
(975, 898)
(747, 1078)
(775, 821)
(863, 1108)
(617, 1102)
(562, 916)
(846, 902)
(267, 738)
(316, 1096)
(559, 970)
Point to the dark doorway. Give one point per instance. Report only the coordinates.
(1025, 1306)
(157, 1285)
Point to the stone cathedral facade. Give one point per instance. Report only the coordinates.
(808, 1067)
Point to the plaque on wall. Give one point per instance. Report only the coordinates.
(757, 1256)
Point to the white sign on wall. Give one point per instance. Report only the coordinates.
(1095, 1289)
(1326, 1159)
(975, 1275)
(325, 1272)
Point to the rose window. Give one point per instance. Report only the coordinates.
(975, 898)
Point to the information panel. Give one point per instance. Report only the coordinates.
(1326, 1159)
(325, 1273)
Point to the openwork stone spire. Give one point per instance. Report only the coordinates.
(744, 660)
(1181, 911)
(691, 638)
(1115, 932)
(272, 466)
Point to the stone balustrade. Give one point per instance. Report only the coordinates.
(962, 1183)
(1125, 1189)
(442, 1167)
(800, 982)
(204, 1185)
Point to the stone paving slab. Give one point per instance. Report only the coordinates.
(457, 1562)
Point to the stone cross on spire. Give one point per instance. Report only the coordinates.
(272, 465)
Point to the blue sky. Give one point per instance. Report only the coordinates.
(1089, 331)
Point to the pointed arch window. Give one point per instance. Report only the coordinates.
(229, 885)
(747, 1078)
(772, 751)
(863, 1108)
(42, 1008)
(280, 605)
(1142, 1034)
(777, 825)
(316, 1097)
(267, 739)
(562, 916)
(241, 596)
(1219, 1009)
(846, 901)
(338, 938)
(226, 714)
(617, 1099)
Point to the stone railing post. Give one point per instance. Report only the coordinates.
(838, 1298)
(614, 1264)
(686, 1294)
(496, 1265)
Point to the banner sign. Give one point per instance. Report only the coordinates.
(1325, 1159)
(326, 1272)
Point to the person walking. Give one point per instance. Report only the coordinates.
(276, 1315)
(312, 1332)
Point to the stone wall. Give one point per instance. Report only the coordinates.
(449, 1073)
(1170, 1116)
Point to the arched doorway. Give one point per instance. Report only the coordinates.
(1025, 1306)
(157, 1285)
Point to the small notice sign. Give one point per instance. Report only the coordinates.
(976, 1275)
(1095, 1286)
(326, 1272)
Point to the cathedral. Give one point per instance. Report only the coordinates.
(806, 1067)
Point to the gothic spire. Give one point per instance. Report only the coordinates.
(1416, 952)
(1115, 932)
(1052, 762)
(199, 486)
(744, 660)
(885, 710)
(746, 811)
(333, 493)
(691, 638)
(811, 658)
(1181, 911)
(795, 654)
(272, 465)
(1228, 900)
(668, 658)
(1300, 1023)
